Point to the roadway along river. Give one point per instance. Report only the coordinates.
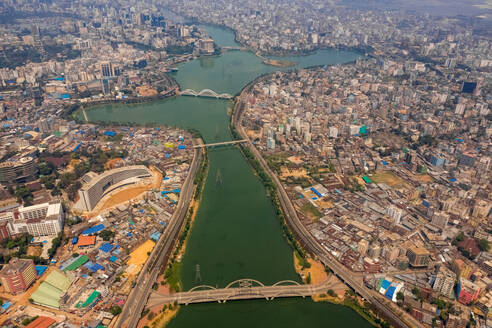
(236, 233)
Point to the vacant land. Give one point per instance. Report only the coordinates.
(389, 178)
(316, 270)
(310, 211)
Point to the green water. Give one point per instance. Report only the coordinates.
(236, 234)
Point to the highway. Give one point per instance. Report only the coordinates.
(305, 237)
(137, 299)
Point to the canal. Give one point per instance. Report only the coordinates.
(236, 233)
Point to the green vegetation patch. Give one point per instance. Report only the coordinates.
(173, 275)
(311, 211)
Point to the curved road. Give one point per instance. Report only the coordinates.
(137, 299)
(309, 242)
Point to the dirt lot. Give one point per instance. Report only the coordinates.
(389, 178)
(317, 270)
(295, 173)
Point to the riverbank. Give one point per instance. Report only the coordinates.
(172, 274)
(235, 221)
(274, 186)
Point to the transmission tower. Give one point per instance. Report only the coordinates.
(218, 179)
(198, 276)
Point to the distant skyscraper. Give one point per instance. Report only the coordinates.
(106, 69)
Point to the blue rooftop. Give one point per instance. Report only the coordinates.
(93, 266)
(155, 236)
(40, 269)
(389, 293)
(93, 230)
(385, 284)
(106, 248)
(316, 192)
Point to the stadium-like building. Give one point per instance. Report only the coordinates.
(98, 186)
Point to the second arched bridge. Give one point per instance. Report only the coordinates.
(205, 93)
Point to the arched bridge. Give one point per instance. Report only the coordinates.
(205, 93)
(241, 289)
(225, 143)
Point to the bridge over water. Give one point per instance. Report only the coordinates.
(219, 144)
(241, 289)
(205, 93)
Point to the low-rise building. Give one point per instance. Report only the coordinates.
(467, 291)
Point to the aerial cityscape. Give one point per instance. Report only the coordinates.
(212, 163)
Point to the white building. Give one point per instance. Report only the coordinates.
(333, 132)
(395, 213)
(38, 220)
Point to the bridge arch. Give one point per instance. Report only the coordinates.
(258, 294)
(288, 293)
(201, 287)
(245, 283)
(208, 93)
(205, 93)
(286, 283)
(190, 92)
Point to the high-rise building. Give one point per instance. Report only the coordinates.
(37, 220)
(440, 220)
(18, 170)
(374, 251)
(418, 256)
(333, 132)
(444, 282)
(18, 275)
(395, 213)
(362, 246)
(106, 69)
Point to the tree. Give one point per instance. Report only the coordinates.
(459, 237)
(115, 310)
(106, 235)
(484, 245)
(400, 296)
(439, 303)
(331, 292)
(24, 194)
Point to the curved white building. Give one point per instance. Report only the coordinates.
(98, 186)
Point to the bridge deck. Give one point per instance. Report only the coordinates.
(222, 295)
(219, 143)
